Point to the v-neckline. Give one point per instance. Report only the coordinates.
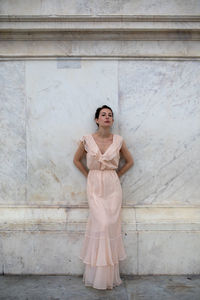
(108, 146)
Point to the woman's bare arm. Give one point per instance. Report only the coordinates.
(80, 152)
(128, 158)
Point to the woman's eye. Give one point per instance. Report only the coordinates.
(103, 115)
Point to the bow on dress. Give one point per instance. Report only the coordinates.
(109, 160)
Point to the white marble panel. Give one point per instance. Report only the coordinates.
(41, 253)
(158, 252)
(12, 133)
(160, 120)
(130, 264)
(168, 252)
(50, 252)
(62, 97)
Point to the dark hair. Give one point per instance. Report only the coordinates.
(98, 112)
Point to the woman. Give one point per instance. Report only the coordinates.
(103, 245)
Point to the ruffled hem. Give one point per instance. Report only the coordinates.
(104, 277)
(104, 251)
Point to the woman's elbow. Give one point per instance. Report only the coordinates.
(75, 161)
(131, 162)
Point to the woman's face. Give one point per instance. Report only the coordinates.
(105, 118)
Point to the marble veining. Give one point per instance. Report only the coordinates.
(13, 133)
(46, 108)
(61, 105)
(159, 117)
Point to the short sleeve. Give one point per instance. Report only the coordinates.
(83, 140)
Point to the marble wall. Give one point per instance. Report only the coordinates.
(46, 107)
(59, 61)
(13, 133)
(159, 117)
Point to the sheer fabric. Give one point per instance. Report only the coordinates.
(102, 247)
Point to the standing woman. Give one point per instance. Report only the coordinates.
(103, 245)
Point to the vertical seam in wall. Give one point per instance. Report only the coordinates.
(26, 119)
(137, 241)
(3, 259)
(2, 255)
(118, 100)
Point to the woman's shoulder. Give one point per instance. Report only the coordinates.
(85, 135)
(119, 140)
(84, 139)
(120, 137)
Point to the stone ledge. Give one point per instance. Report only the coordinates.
(108, 22)
(85, 206)
(100, 35)
(75, 219)
(108, 27)
(121, 58)
(100, 18)
(117, 36)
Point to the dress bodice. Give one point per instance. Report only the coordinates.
(98, 161)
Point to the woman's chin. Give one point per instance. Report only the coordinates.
(106, 125)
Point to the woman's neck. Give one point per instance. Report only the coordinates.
(104, 133)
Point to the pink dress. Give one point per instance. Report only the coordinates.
(103, 247)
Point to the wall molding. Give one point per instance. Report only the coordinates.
(107, 36)
(90, 35)
(101, 27)
(100, 18)
(85, 205)
(102, 48)
(114, 58)
(74, 218)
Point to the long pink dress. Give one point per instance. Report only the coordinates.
(103, 247)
